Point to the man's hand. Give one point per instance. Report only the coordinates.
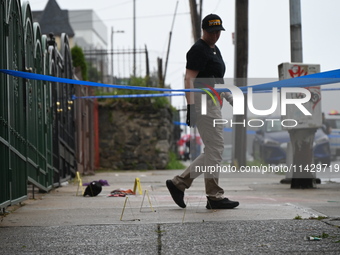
(191, 115)
(228, 96)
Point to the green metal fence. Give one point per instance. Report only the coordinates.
(4, 150)
(36, 137)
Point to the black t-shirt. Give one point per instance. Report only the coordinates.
(202, 58)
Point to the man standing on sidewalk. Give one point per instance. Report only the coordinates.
(204, 66)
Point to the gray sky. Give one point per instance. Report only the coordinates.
(269, 37)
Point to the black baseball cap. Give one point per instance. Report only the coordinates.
(212, 22)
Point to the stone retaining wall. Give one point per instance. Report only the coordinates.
(134, 136)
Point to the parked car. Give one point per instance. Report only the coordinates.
(334, 136)
(270, 144)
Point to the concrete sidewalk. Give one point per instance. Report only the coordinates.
(59, 222)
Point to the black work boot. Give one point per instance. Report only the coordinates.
(224, 203)
(176, 194)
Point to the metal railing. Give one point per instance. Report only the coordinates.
(37, 127)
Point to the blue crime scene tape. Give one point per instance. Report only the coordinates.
(249, 132)
(310, 80)
(130, 96)
(180, 123)
(318, 79)
(164, 94)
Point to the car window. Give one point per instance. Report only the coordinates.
(334, 123)
(273, 126)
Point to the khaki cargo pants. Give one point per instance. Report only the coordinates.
(212, 138)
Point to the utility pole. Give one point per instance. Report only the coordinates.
(301, 139)
(196, 32)
(240, 76)
(195, 20)
(160, 72)
(147, 62)
(134, 38)
(168, 51)
(295, 31)
(112, 61)
(112, 78)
